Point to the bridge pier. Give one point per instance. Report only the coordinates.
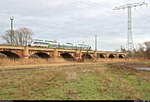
(56, 54)
(26, 52)
(78, 56)
(95, 56)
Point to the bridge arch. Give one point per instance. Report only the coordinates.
(120, 56)
(3, 55)
(111, 56)
(40, 55)
(10, 54)
(67, 56)
(101, 56)
(86, 56)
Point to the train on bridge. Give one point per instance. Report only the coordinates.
(53, 49)
(55, 44)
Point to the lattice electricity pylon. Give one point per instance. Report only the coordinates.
(130, 45)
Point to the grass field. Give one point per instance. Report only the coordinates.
(92, 81)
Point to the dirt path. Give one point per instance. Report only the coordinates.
(132, 66)
(39, 66)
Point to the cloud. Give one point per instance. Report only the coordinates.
(77, 20)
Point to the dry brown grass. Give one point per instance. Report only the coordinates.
(108, 60)
(78, 81)
(38, 62)
(7, 61)
(11, 62)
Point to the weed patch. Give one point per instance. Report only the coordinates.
(95, 81)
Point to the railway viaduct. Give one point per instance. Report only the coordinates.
(29, 52)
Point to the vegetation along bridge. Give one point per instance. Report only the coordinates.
(7, 51)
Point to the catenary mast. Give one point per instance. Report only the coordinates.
(130, 45)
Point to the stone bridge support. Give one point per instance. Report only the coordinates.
(26, 52)
(56, 54)
(78, 55)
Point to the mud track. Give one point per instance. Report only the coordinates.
(132, 66)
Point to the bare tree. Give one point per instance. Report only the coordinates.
(147, 44)
(122, 49)
(143, 50)
(147, 52)
(18, 37)
(7, 37)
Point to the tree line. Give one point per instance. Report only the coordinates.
(143, 51)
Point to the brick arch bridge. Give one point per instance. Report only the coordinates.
(29, 52)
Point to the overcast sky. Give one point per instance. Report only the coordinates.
(77, 21)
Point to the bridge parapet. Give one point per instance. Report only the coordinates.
(11, 47)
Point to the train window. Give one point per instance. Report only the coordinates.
(36, 43)
(45, 43)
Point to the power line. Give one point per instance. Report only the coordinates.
(130, 45)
